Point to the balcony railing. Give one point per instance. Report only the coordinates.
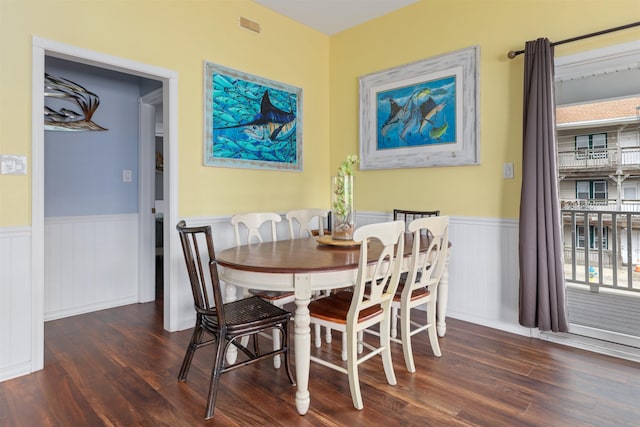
(627, 205)
(599, 158)
(607, 252)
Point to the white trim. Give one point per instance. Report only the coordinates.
(42, 47)
(172, 250)
(147, 105)
(15, 232)
(89, 218)
(591, 344)
(89, 308)
(15, 371)
(37, 208)
(598, 61)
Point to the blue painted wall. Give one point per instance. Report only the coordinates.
(83, 170)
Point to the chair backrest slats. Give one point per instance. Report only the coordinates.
(407, 215)
(202, 269)
(383, 275)
(252, 222)
(427, 268)
(306, 221)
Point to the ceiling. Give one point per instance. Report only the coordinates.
(332, 16)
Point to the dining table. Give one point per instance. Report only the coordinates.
(306, 266)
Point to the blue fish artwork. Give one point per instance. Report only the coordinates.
(252, 121)
(417, 115)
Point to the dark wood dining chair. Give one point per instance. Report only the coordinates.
(408, 216)
(225, 324)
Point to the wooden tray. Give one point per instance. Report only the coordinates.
(330, 241)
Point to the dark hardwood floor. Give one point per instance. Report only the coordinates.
(118, 367)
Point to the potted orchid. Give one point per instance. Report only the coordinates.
(343, 215)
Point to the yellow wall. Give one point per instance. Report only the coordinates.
(434, 27)
(179, 35)
(175, 35)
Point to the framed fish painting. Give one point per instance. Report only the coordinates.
(422, 114)
(250, 121)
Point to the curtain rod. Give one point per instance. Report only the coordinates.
(513, 53)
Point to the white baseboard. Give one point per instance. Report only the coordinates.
(102, 305)
(15, 371)
(592, 344)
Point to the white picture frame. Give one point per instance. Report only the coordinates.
(422, 114)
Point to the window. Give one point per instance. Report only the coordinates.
(629, 192)
(594, 146)
(583, 190)
(582, 146)
(595, 192)
(599, 191)
(594, 237)
(599, 146)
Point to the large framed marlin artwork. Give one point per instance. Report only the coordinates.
(422, 114)
(250, 121)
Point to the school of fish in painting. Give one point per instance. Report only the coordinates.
(417, 115)
(252, 121)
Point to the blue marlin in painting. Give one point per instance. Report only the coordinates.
(269, 123)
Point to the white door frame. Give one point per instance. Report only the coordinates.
(41, 48)
(147, 105)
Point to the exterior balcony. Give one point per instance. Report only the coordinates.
(587, 162)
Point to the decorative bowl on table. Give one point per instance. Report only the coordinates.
(330, 241)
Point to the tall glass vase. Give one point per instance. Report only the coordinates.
(342, 213)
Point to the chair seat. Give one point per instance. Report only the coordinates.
(334, 308)
(415, 294)
(271, 295)
(248, 314)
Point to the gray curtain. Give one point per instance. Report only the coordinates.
(542, 291)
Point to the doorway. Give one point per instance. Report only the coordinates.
(602, 302)
(41, 49)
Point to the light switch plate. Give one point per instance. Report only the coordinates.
(11, 164)
(507, 170)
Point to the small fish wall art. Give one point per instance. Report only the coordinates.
(251, 122)
(77, 118)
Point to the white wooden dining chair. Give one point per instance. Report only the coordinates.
(420, 289)
(354, 311)
(307, 222)
(252, 225)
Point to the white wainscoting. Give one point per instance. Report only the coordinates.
(483, 270)
(15, 301)
(91, 263)
(483, 273)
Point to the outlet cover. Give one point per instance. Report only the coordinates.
(13, 164)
